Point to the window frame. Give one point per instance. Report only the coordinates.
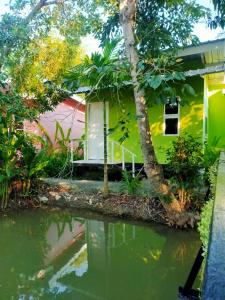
(171, 116)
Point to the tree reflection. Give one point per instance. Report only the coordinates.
(87, 258)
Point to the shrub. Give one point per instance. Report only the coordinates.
(59, 164)
(185, 164)
(206, 214)
(205, 223)
(129, 183)
(211, 155)
(19, 163)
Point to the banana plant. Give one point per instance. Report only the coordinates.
(9, 156)
(61, 138)
(33, 163)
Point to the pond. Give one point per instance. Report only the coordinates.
(68, 255)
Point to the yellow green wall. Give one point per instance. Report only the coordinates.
(191, 121)
(216, 117)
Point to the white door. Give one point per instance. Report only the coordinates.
(96, 131)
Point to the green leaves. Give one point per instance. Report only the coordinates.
(185, 160)
(218, 20)
(155, 81)
(187, 89)
(130, 184)
(19, 160)
(61, 138)
(178, 76)
(160, 25)
(100, 70)
(163, 78)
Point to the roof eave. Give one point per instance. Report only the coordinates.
(202, 48)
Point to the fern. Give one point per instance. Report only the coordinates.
(129, 183)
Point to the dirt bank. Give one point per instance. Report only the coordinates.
(87, 195)
(64, 194)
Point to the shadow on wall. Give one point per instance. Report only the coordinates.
(191, 122)
(216, 118)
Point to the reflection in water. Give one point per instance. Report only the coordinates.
(91, 259)
(78, 265)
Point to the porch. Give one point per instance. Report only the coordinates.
(117, 155)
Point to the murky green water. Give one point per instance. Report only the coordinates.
(88, 258)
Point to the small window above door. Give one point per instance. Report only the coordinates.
(171, 118)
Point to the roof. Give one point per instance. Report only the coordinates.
(207, 42)
(83, 90)
(74, 103)
(217, 47)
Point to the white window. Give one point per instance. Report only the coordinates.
(171, 118)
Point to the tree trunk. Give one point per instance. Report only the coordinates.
(106, 183)
(153, 170)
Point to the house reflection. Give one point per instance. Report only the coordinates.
(81, 258)
(59, 239)
(86, 272)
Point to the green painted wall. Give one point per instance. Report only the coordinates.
(216, 117)
(191, 121)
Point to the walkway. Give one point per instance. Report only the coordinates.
(96, 186)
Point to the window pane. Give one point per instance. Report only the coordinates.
(171, 126)
(171, 108)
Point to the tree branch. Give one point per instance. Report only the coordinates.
(39, 6)
(31, 15)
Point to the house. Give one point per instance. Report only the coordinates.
(70, 113)
(203, 116)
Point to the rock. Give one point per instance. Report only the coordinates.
(67, 197)
(41, 274)
(43, 199)
(55, 195)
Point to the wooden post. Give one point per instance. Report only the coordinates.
(123, 159)
(112, 152)
(133, 166)
(71, 151)
(106, 184)
(85, 149)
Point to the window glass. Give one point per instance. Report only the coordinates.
(171, 126)
(171, 108)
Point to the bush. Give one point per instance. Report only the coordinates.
(19, 164)
(205, 223)
(185, 164)
(211, 155)
(206, 214)
(129, 183)
(59, 164)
